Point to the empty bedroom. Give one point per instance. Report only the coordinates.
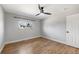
(39, 28)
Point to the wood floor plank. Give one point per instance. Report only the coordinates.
(39, 46)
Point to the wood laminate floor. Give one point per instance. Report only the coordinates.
(39, 46)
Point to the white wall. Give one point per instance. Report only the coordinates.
(54, 28)
(13, 33)
(1, 28)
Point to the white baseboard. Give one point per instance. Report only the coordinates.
(54, 39)
(64, 42)
(21, 40)
(16, 41)
(1, 48)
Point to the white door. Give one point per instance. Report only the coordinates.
(72, 30)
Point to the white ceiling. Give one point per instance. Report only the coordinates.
(31, 10)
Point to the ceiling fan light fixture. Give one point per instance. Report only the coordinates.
(42, 11)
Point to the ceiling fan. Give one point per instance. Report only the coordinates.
(42, 11)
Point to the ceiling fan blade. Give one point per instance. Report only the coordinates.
(47, 13)
(39, 6)
(37, 14)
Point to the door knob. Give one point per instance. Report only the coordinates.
(67, 31)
